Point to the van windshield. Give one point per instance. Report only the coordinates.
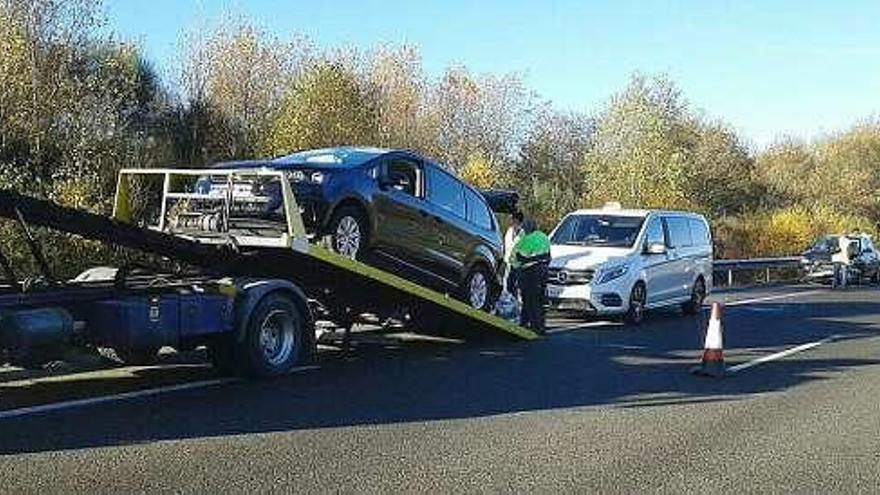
(598, 230)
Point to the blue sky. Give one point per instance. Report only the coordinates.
(766, 67)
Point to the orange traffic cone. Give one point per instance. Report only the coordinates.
(713, 354)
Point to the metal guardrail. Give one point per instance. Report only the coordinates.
(755, 264)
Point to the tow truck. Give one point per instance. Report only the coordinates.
(253, 285)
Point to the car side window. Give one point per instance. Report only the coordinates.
(679, 232)
(699, 232)
(477, 211)
(446, 192)
(403, 175)
(654, 233)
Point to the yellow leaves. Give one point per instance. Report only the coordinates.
(480, 172)
(80, 193)
(783, 232)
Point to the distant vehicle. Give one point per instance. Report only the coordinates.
(855, 251)
(612, 261)
(400, 211)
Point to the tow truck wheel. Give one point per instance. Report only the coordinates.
(275, 341)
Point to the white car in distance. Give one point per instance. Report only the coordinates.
(613, 261)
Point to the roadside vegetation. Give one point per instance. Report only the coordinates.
(77, 103)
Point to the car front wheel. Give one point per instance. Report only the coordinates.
(348, 233)
(477, 289)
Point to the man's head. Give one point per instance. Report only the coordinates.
(529, 226)
(517, 218)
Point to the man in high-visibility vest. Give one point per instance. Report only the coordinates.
(531, 257)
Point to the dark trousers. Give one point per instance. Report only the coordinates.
(533, 287)
(513, 281)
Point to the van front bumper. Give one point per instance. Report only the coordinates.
(586, 299)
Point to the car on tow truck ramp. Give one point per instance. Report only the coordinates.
(396, 210)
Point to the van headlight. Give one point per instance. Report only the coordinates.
(610, 273)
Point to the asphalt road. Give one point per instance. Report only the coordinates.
(595, 407)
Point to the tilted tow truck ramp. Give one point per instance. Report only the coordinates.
(251, 226)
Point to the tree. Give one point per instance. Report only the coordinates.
(642, 151)
(234, 77)
(478, 116)
(326, 106)
(549, 174)
(722, 178)
(400, 88)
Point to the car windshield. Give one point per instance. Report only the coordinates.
(598, 230)
(826, 244)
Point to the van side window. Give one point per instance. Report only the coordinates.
(446, 192)
(699, 232)
(654, 233)
(679, 232)
(477, 211)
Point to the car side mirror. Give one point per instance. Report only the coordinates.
(655, 248)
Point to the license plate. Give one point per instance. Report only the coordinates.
(554, 291)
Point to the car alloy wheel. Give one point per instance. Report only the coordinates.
(347, 240)
(478, 290)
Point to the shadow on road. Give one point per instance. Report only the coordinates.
(384, 384)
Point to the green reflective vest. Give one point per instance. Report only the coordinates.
(530, 249)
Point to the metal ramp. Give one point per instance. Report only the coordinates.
(237, 230)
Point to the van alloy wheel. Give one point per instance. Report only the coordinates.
(637, 300)
(698, 295)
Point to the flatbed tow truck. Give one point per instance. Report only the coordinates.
(255, 286)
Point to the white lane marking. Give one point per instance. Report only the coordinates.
(780, 355)
(578, 327)
(71, 404)
(771, 298)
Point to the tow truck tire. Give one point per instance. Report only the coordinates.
(275, 340)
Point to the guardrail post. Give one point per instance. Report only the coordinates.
(729, 277)
(768, 274)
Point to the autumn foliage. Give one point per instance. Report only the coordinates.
(77, 104)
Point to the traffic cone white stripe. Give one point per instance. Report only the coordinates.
(713, 355)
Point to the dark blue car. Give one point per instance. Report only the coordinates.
(400, 211)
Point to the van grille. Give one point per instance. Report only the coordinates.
(560, 276)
